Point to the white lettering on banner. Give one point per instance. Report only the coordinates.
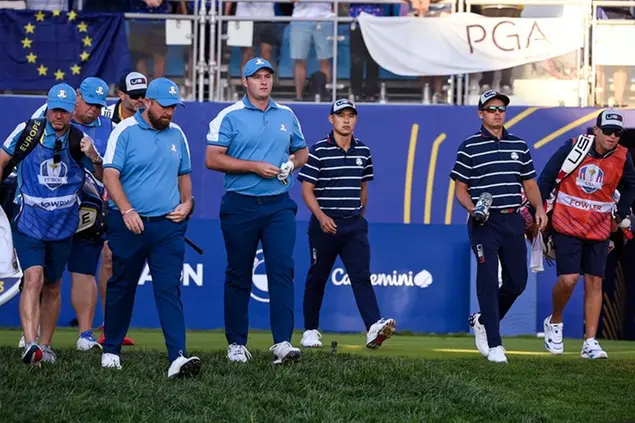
(50, 204)
(188, 275)
(466, 42)
(423, 279)
(582, 204)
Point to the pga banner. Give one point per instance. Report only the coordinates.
(466, 42)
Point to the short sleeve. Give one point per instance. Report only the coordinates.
(186, 160)
(297, 137)
(310, 172)
(369, 173)
(9, 144)
(221, 131)
(116, 150)
(462, 169)
(528, 171)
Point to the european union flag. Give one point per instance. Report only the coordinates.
(39, 49)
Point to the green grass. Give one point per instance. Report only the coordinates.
(410, 379)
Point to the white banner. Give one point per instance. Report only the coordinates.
(466, 42)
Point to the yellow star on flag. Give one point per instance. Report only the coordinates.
(88, 42)
(57, 13)
(26, 43)
(31, 57)
(59, 75)
(42, 70)
(39, 16)
(82, 27)
(84, 56)
(29, 28)
(72, 15)
(76, 69)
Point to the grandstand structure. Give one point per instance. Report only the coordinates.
(206, 61)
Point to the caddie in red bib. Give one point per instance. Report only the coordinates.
(579, 184)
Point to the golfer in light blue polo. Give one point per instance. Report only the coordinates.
(147, 173)
(257, 143)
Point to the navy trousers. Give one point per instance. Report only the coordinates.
(500, 238)
(350, 242)
(246, 220)
(162, 245)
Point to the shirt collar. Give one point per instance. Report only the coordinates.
(488, 135)
(48, 131)
(95, 123)
(141, 121)
(330, 138)
(272, 104)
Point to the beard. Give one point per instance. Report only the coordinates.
(158, 123)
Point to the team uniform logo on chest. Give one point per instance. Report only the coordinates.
(359, 162)
(283, 128)
(590, 178)
(53, 175)
(514, 156)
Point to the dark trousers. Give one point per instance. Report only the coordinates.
(246, 220)
(506, 74)
(351, 244)
(162, 245)
(360, 57)
(500, 238)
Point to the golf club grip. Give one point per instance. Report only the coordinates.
(194, 246)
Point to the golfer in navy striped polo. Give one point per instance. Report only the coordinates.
(334, 187)
(497, 163)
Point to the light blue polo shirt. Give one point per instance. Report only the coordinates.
(248, 133)
(150, 163)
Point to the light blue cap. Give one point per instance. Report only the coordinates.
(165, 92)
(254, 65)
(94, 91)
(62, 96)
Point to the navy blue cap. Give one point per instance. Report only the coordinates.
(165, 92)
(341, 105)
(254, 65)
(61, 96)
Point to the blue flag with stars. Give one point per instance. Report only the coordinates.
(41, 48)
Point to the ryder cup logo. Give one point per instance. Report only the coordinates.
(99, 90)
(52, 175)
(590, 178)
(259, 278)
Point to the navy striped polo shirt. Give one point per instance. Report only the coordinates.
(487, 164)
(338, 175)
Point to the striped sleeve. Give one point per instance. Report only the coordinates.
(528, 171)
(369, 173)
(310, 172)
(462, 169)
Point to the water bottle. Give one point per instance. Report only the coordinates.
(625, 226)
(481, 210)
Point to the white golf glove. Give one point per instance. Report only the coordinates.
(286, 170)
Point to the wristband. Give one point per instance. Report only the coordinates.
(127, 211)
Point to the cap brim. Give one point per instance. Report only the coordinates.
(70, 108)
(134, 93)
(501, 97)
(168, 102)
(612, 127)
(95, 101)
(257, 69)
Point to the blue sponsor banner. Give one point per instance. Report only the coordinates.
(414, 148)
(419, 281)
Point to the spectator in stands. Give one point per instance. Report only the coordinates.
(499, 11)
(147, 37)
(265, 34)
(106, 6)
(305, 33)
(620, 73)
(47, 4)
(13, 4)
(360, 56)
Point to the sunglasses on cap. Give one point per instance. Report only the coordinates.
(494, 109)
(57, 156)
(610, 131)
